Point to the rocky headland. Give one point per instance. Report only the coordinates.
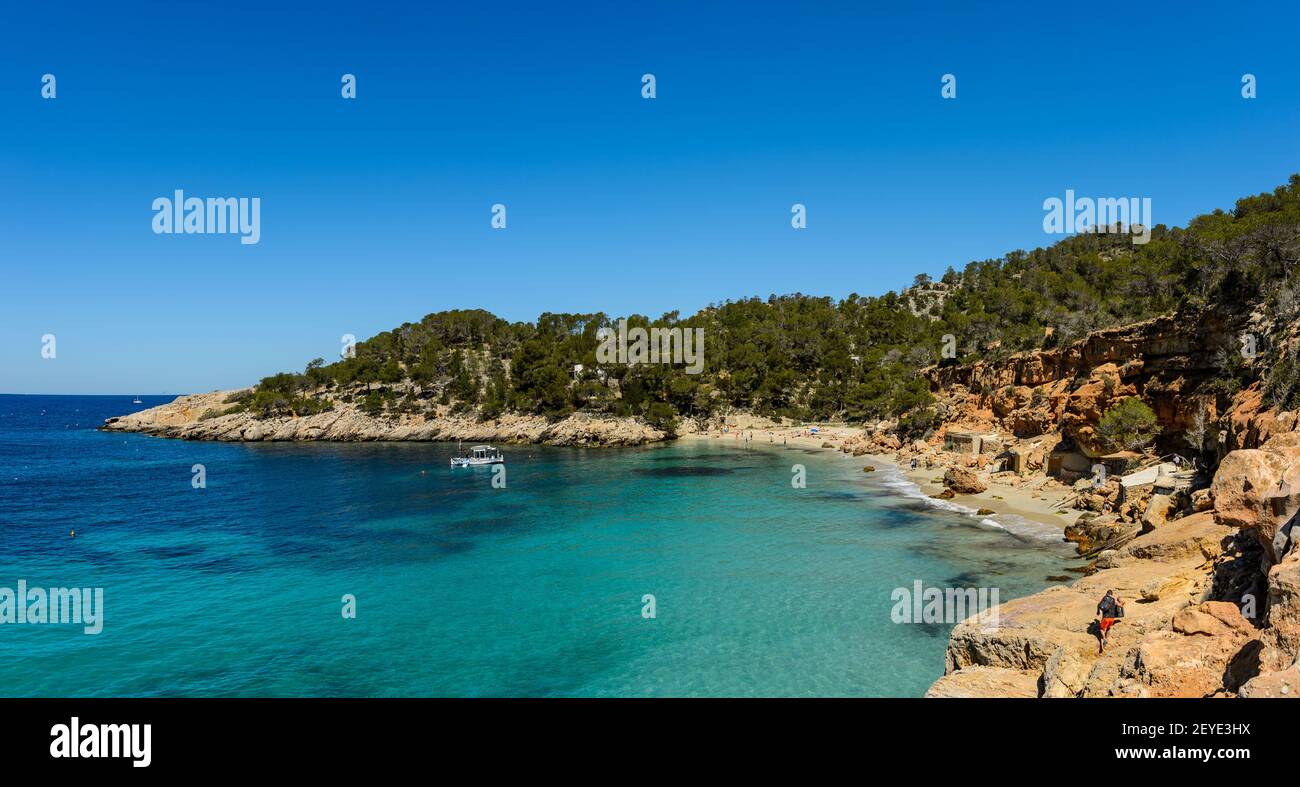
(204, 417)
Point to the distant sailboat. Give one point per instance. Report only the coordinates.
(137, 400)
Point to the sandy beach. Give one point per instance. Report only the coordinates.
(1036, 498)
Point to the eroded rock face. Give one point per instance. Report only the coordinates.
(1250, 424)
(1065, 390)
(1197, 538)
(1283, 634)
(1258, 490)
(185, 418)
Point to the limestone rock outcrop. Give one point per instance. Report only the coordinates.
(1201, 655)
(1065, 390)
(197, 417)
(1283, 634)
(1258, 490)
(1177, 638)
(980, 681)
(1051, 637)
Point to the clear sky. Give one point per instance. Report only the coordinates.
(376, 211)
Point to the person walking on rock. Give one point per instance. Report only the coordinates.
(1110, 609)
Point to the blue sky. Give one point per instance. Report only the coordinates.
(376, 211)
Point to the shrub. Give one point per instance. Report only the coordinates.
(240, 397)
(1280, 389)
(1128, 425)
(663, 417)
(373, 404)
(918, 423)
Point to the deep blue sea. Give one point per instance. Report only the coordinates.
(461, 589)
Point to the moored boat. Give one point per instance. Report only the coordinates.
(479, 455)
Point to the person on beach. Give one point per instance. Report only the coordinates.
(914, 463)
(1110, 609)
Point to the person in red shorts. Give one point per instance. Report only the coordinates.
(1110, 609)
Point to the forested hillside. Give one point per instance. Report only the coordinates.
(810, 357)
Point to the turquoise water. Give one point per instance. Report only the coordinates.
(466, 590)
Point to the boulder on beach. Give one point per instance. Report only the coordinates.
(963, 481)
(1157, 513)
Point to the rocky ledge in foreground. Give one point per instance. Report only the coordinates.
(197, 417)
(1186, 584)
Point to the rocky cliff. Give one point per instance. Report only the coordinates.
(1213, 605)
(1175, 363)
(198, 417)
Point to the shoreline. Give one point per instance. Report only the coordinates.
(189, 417)
(1028, 500)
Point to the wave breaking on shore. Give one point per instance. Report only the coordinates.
(893, 479)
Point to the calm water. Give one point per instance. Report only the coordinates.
(462, 589)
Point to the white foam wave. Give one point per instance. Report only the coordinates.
(893, 479)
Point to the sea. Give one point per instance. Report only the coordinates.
(721, 568)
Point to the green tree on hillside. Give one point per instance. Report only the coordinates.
(1129, 425)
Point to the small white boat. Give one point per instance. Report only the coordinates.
(479, 455)
(137, 400)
